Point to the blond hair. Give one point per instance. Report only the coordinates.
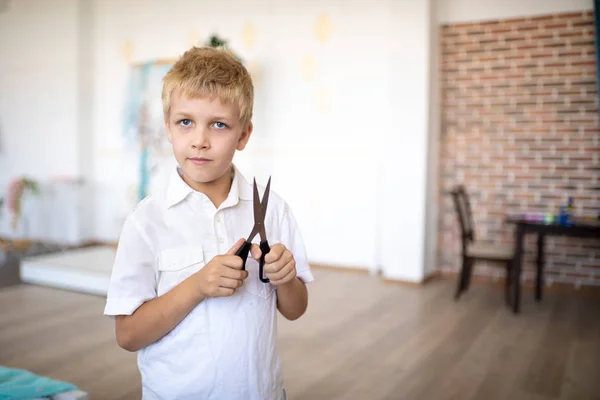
(210, 72)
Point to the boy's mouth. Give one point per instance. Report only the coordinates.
(199, 160)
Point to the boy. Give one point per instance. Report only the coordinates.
(205, 328)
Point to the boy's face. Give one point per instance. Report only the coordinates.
(205, 134)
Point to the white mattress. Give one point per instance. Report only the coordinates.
(86, 269)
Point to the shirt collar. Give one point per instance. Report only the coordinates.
(178, 190)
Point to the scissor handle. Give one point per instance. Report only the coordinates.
(245, 250)
(265, 249)
(243, 253)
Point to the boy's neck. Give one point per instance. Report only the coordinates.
(216, 191)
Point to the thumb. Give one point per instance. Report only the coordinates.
(236, 247)
(255, 251)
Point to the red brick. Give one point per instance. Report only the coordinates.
(555, 25)
(572, 53)
(582, 42)
(578, 63)
(542, 54)
(516, 56)
(581, 24)
(500, 29)
(574, 15)
(539, 18)
(523, 47)
(554, 45)
(572, 34)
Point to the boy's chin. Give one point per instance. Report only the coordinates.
(201, 177)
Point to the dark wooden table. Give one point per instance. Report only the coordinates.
(578, 228)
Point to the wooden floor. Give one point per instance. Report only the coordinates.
(360, 339)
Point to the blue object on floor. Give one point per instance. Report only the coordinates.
(19, 384)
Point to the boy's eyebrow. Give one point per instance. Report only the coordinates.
(217, 116)
(213, 117)
(182, 114)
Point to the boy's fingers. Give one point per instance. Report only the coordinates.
(287, 278)
(284, 259)
(230, 283)
(234, 273)
(232, 261)
(255, 251)
(275, 266)
(235, 247)
(281, 273)
(275, 253)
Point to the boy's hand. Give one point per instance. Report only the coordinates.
(280, 266)
(223, 274)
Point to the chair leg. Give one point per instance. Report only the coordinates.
(469, 273)
(508, 282)
(462, 278)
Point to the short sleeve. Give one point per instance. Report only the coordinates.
(133, 278)
(291, 238)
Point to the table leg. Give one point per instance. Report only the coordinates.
(540, 267)
(517, 268)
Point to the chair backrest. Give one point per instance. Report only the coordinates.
(463, 211)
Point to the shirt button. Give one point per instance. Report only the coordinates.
(221, 240)
(217, 219)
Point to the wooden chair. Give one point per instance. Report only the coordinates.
(473, 250)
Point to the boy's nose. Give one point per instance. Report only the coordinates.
(200, 140)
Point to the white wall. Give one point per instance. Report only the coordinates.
(38, 61)
(323, 130)
(41, 133)
(404, 164)
(455, 11)
(432, 196)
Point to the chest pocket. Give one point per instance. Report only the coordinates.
(176, 264)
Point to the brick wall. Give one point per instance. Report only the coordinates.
(520, 128)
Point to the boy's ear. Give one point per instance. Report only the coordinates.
(243, 140)
(168, 129)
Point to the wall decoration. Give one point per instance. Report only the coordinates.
(216, 41)
(127, 50)
(193, 38)
(323, 28)
(143, 118)
(17, 190)
(249, 34)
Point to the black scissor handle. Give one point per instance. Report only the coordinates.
(243, 253)
(245, 250)
(265, 249)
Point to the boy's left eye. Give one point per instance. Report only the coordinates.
(220, 125)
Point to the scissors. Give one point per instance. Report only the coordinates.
(260, 211)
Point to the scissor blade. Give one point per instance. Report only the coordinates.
(265, 199)
(257, 205)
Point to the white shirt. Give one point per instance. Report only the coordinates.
(226, 347)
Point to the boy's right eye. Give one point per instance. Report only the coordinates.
(185, 122)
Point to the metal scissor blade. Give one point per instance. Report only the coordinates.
(257, 206)
(265, 199)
